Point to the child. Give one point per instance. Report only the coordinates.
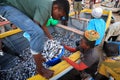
(90, 55)
(111, 65)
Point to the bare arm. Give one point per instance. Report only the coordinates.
(81, 66)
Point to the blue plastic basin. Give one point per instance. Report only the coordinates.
(56, 60)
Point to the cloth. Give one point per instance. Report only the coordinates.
(77, 6)
(110, 67)
(25, 24)
(70, 48)
(34, 9)
(114, 30)
(89, 61)
(99, 26)
(91, 35)
(90, 56)
(79, 67)
(52, 22)
(97, 12)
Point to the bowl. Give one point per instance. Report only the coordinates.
(54, 61)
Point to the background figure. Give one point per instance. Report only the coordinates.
(77, 6)
(116, 3)
(97, 24)
(110, 67)
(113, 32)
(91, 4)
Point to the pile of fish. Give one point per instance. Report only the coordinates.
(52, 49)
(67, 39)
(21, 70)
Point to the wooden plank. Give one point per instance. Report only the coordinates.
(82, 19)
(9, 33)
(71, 29)
(108, 19)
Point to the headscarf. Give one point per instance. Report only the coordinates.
(91, 35)
(97, 12)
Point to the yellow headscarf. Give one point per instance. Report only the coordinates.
(91, 35)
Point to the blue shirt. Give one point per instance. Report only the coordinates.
(98, 25)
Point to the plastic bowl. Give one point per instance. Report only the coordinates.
(56, 60)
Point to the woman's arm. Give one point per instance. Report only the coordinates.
(70, 48)
(81, 66)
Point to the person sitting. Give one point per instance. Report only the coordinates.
(110, 67)
(89, 54)
(97, 24)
